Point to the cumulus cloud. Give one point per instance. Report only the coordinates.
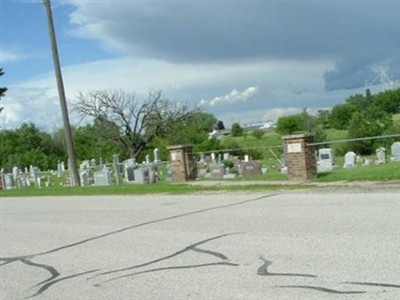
(232, 97)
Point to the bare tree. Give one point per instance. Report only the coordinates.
(129, 119)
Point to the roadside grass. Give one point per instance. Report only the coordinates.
(384, 172)
(155, 188)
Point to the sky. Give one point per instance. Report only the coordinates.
(243, 61)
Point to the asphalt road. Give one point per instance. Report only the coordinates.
(205, 246)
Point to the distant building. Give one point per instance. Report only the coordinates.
(218, 133)
(260, 125)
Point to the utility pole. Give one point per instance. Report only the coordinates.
(61, 93)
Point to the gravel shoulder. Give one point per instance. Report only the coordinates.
(335, 186)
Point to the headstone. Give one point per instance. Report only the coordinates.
(367, 162)
(380, 155)
(102, 177)
(117, 163)
(93, 163)
(141, 176)
(226, 156)
(213, 158)
(246, 158)
(157, 155)
(130, 165)
(15, 173)
(147, 159)
(326, 160)
(395, 151)
(59, 170)
(36, 176)
(62, 166)
(153, 174)
(202, 158)
(9, 181)
(251, 168)
(349, 160)
(217, 172)
(202, 172)
(84, 178)
(229, 176)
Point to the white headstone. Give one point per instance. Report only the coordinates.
(226, 156)
(59, 170)
(395, 151)
(380, 155)
(157, 155)
(84, 176)
(147, 159)
(246, 158)
(349, 159)
(326, 160)
(202, 157)
(102, 177)
(15, 173)
(213, 157)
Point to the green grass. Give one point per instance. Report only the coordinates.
(384, 172)
(132, 189)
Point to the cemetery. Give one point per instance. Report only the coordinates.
(298, 162)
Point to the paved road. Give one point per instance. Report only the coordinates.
(204, 246)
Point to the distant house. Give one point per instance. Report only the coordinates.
(218, 133)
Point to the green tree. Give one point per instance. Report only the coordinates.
(341, 115)
(220, 125)
(236, 130)
(290, 124)
(132, 121)
(3, 90)
(257, 133)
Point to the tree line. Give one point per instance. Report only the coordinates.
(360, 116)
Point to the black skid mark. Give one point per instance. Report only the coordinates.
(144, 224)
(390, 285)
(54, 273)
(321, 289)
(10, 260)
(170, 268)
(217, 254)
(263, 270)
(190, 247)
(50, 283)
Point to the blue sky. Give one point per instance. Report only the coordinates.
(243, 61)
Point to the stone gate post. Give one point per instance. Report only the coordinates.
(182, 163)
(300, 158)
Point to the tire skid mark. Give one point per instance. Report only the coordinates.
(263, 271)
(51, 283)
(320, 289)
(141, 225)
(54, 273)
(390, 285)
(169, 268)
(190, 247)
(217, 254)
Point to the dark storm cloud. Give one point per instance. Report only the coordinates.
(358, 36)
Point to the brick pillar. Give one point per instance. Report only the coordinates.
(300, 158)
(182, 163)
